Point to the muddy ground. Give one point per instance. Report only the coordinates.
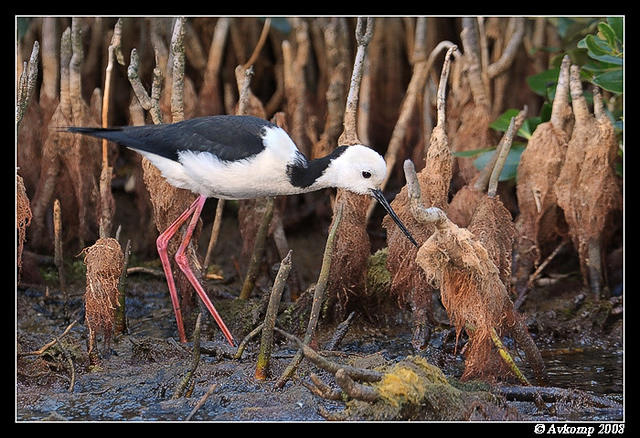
(581, 342)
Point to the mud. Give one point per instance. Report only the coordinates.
(581, 343)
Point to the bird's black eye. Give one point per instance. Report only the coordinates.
(366, 174)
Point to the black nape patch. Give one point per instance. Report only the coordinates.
(304, 173)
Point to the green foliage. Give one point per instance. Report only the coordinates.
(604, 68)
(596, 45)
(502, 123)
(605, 51)
(544, 84)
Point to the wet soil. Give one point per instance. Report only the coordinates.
(137, 375)
(139, 372)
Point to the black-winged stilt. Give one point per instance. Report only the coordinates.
(239, 157)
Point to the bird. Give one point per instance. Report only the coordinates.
(239, 157)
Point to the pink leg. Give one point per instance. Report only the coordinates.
(181, 259)
(162, 243)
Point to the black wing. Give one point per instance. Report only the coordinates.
(225, 136)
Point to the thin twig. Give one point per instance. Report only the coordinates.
(484, 54)
(65, 58)
(416, 85)
(553, 394)
(482, 180)
(309, 353)
(258, 251)
(202, 401)
(431, 215)
(318, 296)
(442, 86)
(510, 51)
(120, 323)
(148, 102)
(266, 343)
(364, 33)
(261, 41)
(145, 270)
(182, 385)
(469, 37)
(49, 344)
(502, 154)
(215, 232)
(72, 368)
(506, 357)
(50, 62)
(244, 89)
(544, 264)
(177, 78)
(323, 277)
(339, 333)
(295, 82)
(156, 89)
(57, 238)
(210, 100)
(136, 83)
(319, 388)
(113, 48)
(27, 82)
(106, 198)
(246, 340)
(75, 69)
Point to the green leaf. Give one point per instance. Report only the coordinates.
(598, 67)
(529, 126)
(597, 46)
(609, 59)
(545, 112)
(610, 80)
(616, 24)
(608, 34)
(599, 50)
(544, 83)
(510, 168)
(526, 130)
(502, 122)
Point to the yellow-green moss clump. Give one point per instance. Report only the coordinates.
(413, 389)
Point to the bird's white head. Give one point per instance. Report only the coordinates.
(358, 169)
(362, 170)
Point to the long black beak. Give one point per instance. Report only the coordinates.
(381, 199)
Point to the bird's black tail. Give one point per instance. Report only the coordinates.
(95, 132)
(122, 135)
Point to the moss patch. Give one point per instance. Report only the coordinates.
(413, 389)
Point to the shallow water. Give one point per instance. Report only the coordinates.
(588, 369)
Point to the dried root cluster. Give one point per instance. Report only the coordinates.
(104, 261)
(23, 218)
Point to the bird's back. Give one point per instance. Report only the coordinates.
(227, 137)
(225, 156)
